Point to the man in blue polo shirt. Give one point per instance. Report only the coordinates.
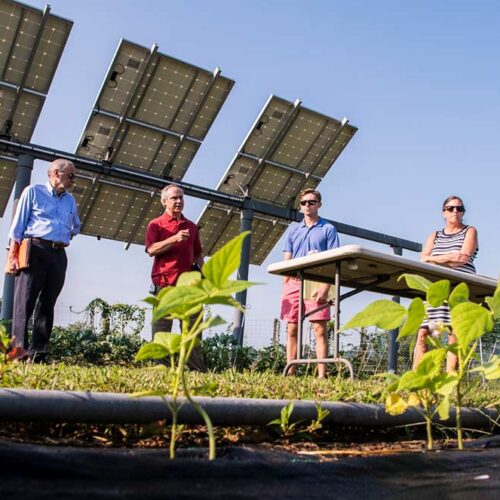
(312, 235)
(47, 214)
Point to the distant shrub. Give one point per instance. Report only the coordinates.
(221, 352)
(79, 344)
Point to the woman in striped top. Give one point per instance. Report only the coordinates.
(454, 246)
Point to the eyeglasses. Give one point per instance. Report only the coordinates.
(71, 176)
(303, 203)
(459, 208)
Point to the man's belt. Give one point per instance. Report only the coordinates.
(49, 243)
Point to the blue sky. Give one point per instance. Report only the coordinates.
(419, 79)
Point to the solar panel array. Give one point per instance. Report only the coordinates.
(31, 45)
(289, 148)
(152, 114)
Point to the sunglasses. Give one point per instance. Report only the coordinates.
(455, 209)
(303, 203)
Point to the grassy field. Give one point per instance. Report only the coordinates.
(247, 384)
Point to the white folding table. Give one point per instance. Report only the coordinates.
(363, 269)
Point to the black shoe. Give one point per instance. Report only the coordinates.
(39, 358)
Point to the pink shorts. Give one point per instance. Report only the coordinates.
(290, 304)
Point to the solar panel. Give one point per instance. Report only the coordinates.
(220, 224)
(121, 211)
(31, 45)
(152, 114)
(7, 178)
(289, 148)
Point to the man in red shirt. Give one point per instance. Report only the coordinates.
(174, 242)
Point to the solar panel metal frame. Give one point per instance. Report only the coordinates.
(259, 164)
(188, 123)
(30, 50)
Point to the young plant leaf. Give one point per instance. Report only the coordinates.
(395, 404)
(151, 300)
(491, 369)
(443, 408)
(416, 282)
(438, 292)
(414, 400)
(494, 305)
(225, 301)
(412, 381)
(445, 384)
(210, 323)
(170, 341)
(225, 261)
(178, 300)
(231, 287)
(459, 294)
(430, 364)
(416, 314)
(151, 351)
(189, 279)
(384, 314)
(469, 321)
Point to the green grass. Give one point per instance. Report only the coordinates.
(246, 384)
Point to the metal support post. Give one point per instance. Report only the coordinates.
(23, 179)
(241, 297)
(336, 308)
(392, 355)
(300, 326)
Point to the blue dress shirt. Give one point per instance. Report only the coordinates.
(41, 213)
(303, 240)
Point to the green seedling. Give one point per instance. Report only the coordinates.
(185, 302)
(287, 427)
(469, 322)
(316, 424)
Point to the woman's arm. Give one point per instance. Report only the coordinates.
(425, 256)
(470, 242)
(451, 259)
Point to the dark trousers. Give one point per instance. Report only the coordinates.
(38, 285)
(195, 361)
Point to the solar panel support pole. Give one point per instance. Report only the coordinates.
(23, 179)
(392, 355)
(241, 297)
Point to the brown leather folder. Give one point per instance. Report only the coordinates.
(24, 256)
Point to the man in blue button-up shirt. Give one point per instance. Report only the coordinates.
(47, 214)
(312, 235)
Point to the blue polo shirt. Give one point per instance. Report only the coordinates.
(303, 240)
(41, 213)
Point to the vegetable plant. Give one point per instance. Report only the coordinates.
(431, 389)
(185, 302)
(289, 428)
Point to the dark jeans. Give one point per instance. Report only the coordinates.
(38, 285)
(195, 361)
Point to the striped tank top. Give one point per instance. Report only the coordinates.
(444, 243)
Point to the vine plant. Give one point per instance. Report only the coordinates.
(185, 302)
(430, 389)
